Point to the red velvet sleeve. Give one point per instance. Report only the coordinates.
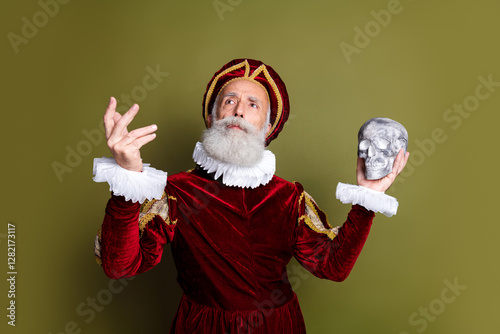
(127, 249)
(326, 252)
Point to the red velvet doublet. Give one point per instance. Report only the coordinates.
(231, 246)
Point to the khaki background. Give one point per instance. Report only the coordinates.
(412, 69)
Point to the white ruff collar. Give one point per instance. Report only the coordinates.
(235, 175)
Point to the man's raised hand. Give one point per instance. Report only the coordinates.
(125, 145)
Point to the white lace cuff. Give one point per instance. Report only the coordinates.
(372, 200)
(135, 186)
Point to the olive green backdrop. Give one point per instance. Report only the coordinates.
(432, 268)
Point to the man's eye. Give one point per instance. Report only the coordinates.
(253, 105)
(229, 101)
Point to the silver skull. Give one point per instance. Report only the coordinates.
(379, 141)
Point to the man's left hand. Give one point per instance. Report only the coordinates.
(384, 183)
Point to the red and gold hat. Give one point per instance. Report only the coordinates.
(259, 73)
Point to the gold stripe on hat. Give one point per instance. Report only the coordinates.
(212, 86)
(276, 93)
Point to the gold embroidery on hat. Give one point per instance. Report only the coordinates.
(278, 97)
(247, 79)
(212, 86)
(247, 69)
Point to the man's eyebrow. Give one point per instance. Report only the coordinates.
(229, 94)
(254, 99)
(250, 97)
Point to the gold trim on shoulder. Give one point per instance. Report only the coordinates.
(156, 207)
(312, 218)
(97, 247)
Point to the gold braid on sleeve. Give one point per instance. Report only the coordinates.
(312, 217)
(97, 247)
(156, 207)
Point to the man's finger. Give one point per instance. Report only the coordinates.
(120, 128)
(360, 170)
(397, 161)
(140, 142)
(396, 168)
(138, 133)
(109, 117)
(404, 161)
(361, 165)
(116, 117)
(136, 144)
(401, 160)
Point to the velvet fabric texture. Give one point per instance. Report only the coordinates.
(231, 246)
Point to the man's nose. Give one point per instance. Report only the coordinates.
(238, 110)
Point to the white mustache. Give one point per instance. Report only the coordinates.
(237, 121)
(244, 148)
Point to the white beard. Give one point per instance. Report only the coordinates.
(243, 147)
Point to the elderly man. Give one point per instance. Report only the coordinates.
(232, 224)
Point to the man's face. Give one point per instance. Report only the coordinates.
(245, 99)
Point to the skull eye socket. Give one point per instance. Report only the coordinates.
(364, 144)
(382, 143)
